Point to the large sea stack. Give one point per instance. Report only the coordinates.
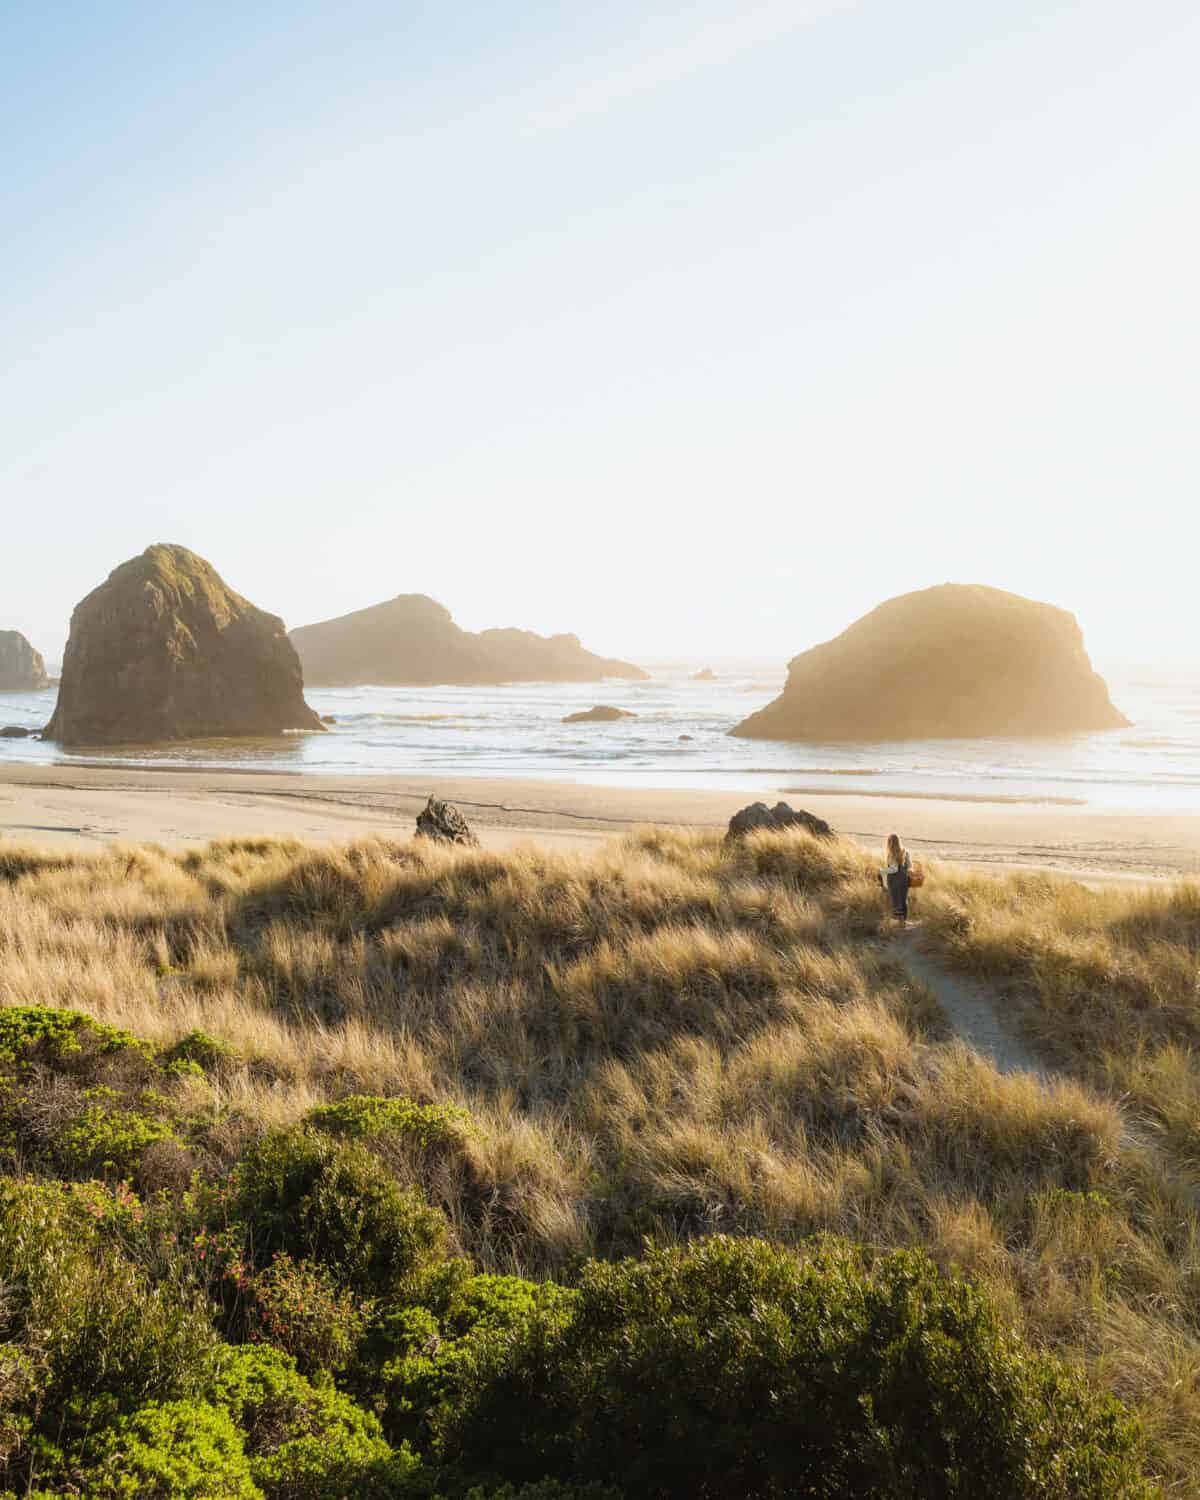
(165, 650)
(956, 661)
(412, 641)
(22, 669)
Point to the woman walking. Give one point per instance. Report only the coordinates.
(897, 873)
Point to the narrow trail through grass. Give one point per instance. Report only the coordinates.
(976, 1018)
(972, 1011)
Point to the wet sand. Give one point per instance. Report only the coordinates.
(82, 807)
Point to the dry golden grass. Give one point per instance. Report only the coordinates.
(1107, 983)
(670, 1037)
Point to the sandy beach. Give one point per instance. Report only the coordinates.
(83, 807)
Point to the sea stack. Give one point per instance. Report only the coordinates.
(22, 669)
(412, 641)
(165, 650)
(956, 661)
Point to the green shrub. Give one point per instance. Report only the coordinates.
(736, 1369)
(305, 1441)
(171, 1450)
(360, 1115)
(332, 1202)
(30, 1033)
(297, 1307)
(197, 1051)
(106, 1142)
(426, 1355)
(94, 1334)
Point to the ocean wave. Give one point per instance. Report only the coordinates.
(1031, 800)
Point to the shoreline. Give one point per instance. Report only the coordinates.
(86, 807)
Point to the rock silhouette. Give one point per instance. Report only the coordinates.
(413, 641)
(165, 650)
(759, 815)
(22, 669)
(958, 660)
(444, 822)
(603, 713)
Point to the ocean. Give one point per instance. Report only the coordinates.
(516, 731)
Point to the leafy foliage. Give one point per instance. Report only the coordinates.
(426, 1355)
(171, 1450)
(306, 1441)
(333, 1203)
(357, 1116)
(734, 1369)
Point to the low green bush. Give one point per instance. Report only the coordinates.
(297, 1307)
(358, 1116)
(102, 1141)
(197, 1051)
(735, 1369)
(170, 1450)
(88, 1331)
(31, 1033)
(306, 1441)
(426, 1354)
(332, 1202)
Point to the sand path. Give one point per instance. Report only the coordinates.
(978, 1019)
(974, 1013)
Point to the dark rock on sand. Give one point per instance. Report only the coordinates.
(959, 660)
(685, 736)
(165, 650)
(603, 713)
(759, 815)
(443, 821)
(328, 719)
(412, 640)
(22, 669)
(15, 732)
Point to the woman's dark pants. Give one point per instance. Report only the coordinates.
(897, 885)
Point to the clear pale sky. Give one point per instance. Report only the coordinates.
(696, 329)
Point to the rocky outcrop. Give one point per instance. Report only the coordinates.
(444, 822)
(413, 641)
(22, 669)
(165, 650)
(759, 815)
(956, 661)
(603, 713)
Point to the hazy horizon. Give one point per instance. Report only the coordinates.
(697, 332)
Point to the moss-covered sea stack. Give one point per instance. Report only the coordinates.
(165, 650)
(956, 661)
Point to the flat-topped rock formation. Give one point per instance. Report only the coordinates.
(413, 641)
(22, 669)
(165, 650)
(956, 661)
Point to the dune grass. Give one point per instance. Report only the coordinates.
(1106, 983)
(668, 1038)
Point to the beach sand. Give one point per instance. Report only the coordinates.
(85, 807)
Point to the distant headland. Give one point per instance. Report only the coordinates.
(413, 641)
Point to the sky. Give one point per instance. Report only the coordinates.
(695, 329)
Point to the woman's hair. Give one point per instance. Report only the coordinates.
(895, 849)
